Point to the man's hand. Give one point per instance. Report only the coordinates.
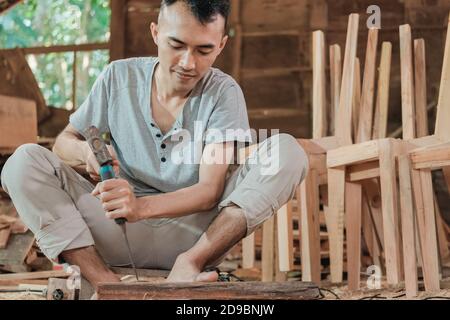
(118, 199)
(92, 166)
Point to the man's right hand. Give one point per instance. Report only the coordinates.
(92, 166)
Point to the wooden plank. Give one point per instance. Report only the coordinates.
(368, 89)
(292, 290)
(18, 247)
(18, 123)
(408, 227)
(353, 203)
(285, 238)
(434, 157)
(420, 75)
(267, 256)
(310, 228)
(382, 104)
(356, 104)
(444, 252)
(352, 154)
(335, 83)
(343, 131)
(35, 275)
(442, 129)
(248, 252)
(428, 234)
(319, 99)
(363, 171)
(336, 200)
(388, 183)
(118, 21)
(4, 237)
(407, 83)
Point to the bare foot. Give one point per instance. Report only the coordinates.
(186, 271)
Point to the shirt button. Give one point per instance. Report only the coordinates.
(152, 124)
(163, 146)
(163, 159)
(158, 135)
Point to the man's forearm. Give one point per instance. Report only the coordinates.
(197, 198)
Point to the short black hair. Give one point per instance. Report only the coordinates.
(204, 10)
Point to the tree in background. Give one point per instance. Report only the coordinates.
(59, 22)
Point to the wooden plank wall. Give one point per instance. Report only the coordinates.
(275, 56)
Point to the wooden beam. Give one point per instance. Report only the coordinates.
(35, 275)
(248, 252)
(434, 157)
(352, 154)
(335, 83)
(267, 256)
(367, 109)
(319, 98)
(408, 227)
(310, 228)
(382, 105)
(420, 72)
(442, 129)
(292, 290)
(363, 171)
(285, 238)
(344, 129)
(407, 83)
(117, 29)
(356, 104)
(353, 198)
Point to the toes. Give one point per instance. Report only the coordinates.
(207, 277)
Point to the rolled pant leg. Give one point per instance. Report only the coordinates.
(55, 203)
(267, 180)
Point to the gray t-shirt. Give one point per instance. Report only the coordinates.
(120, 104)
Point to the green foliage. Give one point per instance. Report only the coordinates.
(59, 22)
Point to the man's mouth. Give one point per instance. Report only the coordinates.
(185, 76)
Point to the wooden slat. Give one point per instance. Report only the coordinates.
(356, 104)
(442, 129)
(292, 290)
(367, 97)
(420, 75)
(353, 198)
(310, 228)
(319, 85)
(344, 129)
(248, 252)
(382, 105)
(407, 83)
(35, 275)
(267, 257)
(335, 83)
(285, 238)
(408, 227)
(353, 154)
(444, 252)
(364, 171)
(336, 187)
(388, 183)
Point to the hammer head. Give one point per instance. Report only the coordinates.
(98, 146)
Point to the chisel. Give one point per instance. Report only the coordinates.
(105, 161)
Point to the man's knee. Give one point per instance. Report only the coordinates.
(16, 169)
(293, 160)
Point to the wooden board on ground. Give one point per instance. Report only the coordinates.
(18, 247)
(206, 291)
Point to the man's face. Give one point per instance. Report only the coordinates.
(186, 48)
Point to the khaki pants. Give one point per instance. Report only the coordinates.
(55, 202)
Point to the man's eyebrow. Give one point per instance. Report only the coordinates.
(203, 46)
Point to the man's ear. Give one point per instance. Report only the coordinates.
(223, 43)
(154, 32)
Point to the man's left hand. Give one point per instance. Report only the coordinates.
(118, 199)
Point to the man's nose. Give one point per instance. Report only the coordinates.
(187, 61)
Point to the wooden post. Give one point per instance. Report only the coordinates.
(285, 239)
(356, 103)
(353, 198)
(267, 257)
(118, 23)
(421, 88)
(408, 227)
(248, 252)
(366, 108)
(319, 86)
(407, 83)
(335, 83)
(344, 122)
